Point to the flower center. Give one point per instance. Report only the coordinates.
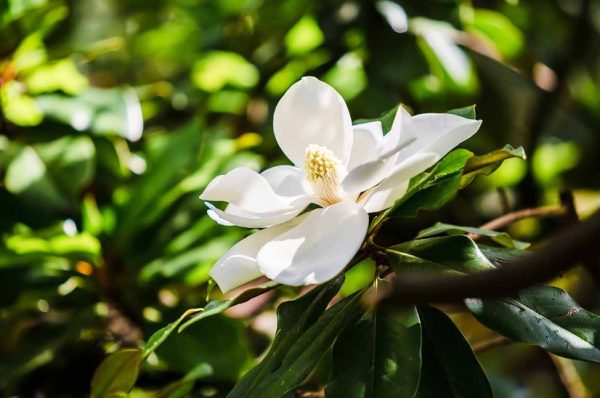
(324, 171)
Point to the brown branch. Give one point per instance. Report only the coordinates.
(507, 219)
(563, 251)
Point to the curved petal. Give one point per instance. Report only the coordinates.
(445, 130)
(394, 187)
(238, 265)
(381, 198)
(431, 132)
(318, 248)
(287, 181)
(398, 137)
(372, 173)
(367, 144)
(368, 175)
(247, 190)
(233, 215)
(312, 112)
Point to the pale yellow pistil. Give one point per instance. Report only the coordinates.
(324, 172)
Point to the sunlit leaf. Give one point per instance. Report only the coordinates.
(456, 253)
(502, 238)
(117, 374)
(545, 316)
(304, 36)
(488, 163)
(218, 69)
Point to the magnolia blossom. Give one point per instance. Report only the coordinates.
(347, 171)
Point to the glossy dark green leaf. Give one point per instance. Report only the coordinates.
(450, 368)
(457, 253)
(378, 356)
(488, 163)
(502, 238)
(545, 316)
(440, 186)
(117, 374)
(302, 357)
(294, 319)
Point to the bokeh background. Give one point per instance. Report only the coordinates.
(115, 114)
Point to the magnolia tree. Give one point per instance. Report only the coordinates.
(316, 220)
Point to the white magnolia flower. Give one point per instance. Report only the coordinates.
(348, 171)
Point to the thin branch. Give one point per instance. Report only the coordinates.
(507, 219)
(572, 245)
(570, 377)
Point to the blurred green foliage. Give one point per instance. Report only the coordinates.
(114, 115)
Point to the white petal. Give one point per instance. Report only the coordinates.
(381, 198)
(368, 175)
(233, 215)
(445, 130)
(398, 136)
(246, 189)
(312, 112)
(287, 181)
(318, 248)
(432, 132)
(238, 265)
(394, 187)
(372, 172)
(367, 145)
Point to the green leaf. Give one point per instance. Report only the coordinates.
(53, 173)
(302, 357)
(162, 334)
(182, 388)
(27, 176)
(294, 318)
(545, 316)
(117, 374)
(450, 368)
(379, 356)
(467, 112)
(219, 69)
(498, 29)
(176, 155)
(214, 307)
(217, 342)
(452, 254)
(502, 238)
(217, 306)
(488, 163)
(101, 111)
(440, 185)
(304, 36)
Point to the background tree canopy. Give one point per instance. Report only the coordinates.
(115, 115)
